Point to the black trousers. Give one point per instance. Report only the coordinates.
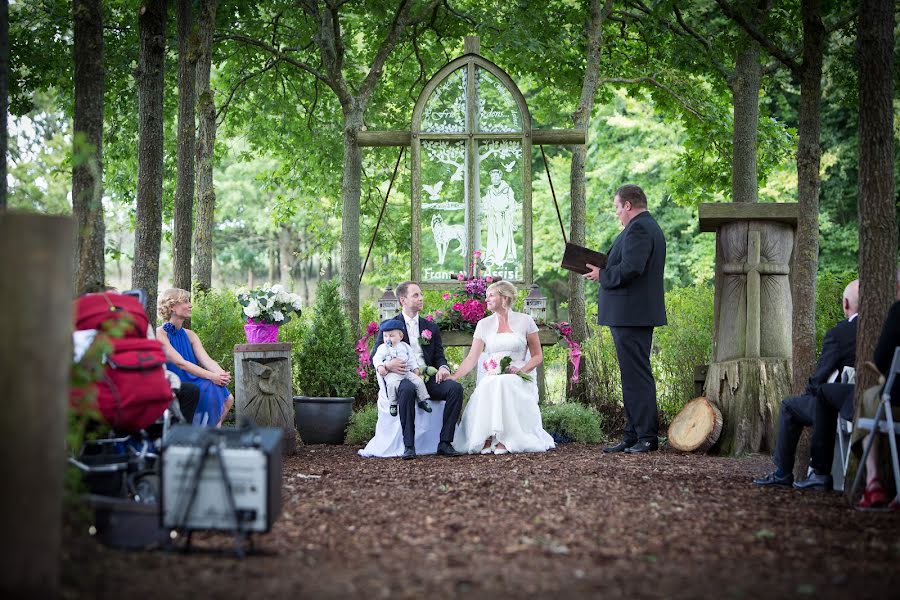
(796, 413)
(188, 398)
(450, 392)
(638, 387)
(832, 400)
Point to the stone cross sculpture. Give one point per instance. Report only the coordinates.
(750, 371)
(262, 376)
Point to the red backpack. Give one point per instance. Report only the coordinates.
(133, 392)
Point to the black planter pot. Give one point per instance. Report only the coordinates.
(322, 420)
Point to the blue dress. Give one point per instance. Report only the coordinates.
(212, 396)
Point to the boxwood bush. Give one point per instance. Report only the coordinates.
(361, 427)
(570, 421)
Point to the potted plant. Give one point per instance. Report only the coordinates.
(267, 308)
(326, 373)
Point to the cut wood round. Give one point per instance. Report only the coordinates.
(697, 427)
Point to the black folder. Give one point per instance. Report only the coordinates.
(575, 258)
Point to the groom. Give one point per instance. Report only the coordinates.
(425, 339)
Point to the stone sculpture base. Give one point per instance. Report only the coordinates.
(749, 392)
(262, 389)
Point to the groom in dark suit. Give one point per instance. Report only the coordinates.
(631, 301)
(425, 339)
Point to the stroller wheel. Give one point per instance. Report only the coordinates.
(144, 487)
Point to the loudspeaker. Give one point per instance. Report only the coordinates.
(201, 467)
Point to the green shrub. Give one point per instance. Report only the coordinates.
(680, 346)
(368, 387)
(361, 427)
(219, 323)
(829, 295)
(326, 364)
(572, 420)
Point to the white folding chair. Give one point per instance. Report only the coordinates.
(842, 439)
(882, 423)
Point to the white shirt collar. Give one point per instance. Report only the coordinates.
(853, 316)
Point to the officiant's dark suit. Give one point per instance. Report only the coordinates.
(631, 301)
(449, 391)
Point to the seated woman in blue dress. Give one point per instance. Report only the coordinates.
(188, 359)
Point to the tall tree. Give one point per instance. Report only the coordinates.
(148, 218)
(206, 140)
(87, 155)
(808, 71)
(353, 84)
(184, 185)
(877, 209)
(4, 94)
(581, 119)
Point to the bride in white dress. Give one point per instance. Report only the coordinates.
(503, 415)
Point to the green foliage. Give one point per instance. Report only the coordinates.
(572, 420)
(829, 301)
(368, 387)
(680, 346)
(361, 427)
(326, 364)
(218, 322)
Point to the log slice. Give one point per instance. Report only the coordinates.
(696, 427)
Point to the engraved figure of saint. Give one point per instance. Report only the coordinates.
(500, 217)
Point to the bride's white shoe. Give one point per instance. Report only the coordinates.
(499, 450)
(487, 450)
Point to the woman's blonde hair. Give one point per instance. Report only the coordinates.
(504, 289)
(168, 299)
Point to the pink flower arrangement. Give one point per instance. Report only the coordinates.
(565, 331)
(472, 310)
(467, 305)
(362, 349)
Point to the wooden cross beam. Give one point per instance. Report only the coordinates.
(565, 137)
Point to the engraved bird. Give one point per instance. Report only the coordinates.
(434, 191)
(509, 166)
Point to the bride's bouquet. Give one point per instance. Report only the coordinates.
(492, 367)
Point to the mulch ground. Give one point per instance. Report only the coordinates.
(572, 523)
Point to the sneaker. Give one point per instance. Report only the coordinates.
(423, 404)
(393, 410)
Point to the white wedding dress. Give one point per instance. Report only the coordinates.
(504, 406)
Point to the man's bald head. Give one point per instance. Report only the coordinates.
(851, 298)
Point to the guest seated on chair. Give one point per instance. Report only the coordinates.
(189, 360)
(797, 412)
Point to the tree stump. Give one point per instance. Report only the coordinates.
(748, 391)
(262, 389)
(697, 426)
(36, 275)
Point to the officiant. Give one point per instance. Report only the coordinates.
(631, 301)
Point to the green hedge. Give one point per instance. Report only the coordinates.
(361, 427)
(571, 420)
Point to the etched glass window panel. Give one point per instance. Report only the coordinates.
(443, 199)
(445, 109)
(499, 215)
(496, 108)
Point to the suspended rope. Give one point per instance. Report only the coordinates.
(553, 193)
(381, 214)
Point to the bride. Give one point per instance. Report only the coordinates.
(502, 415)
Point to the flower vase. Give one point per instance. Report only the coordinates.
(261, 333)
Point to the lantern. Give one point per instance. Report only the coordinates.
(535, 304)
(388, 304)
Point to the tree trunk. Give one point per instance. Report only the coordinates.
(745, 86)
(285, 255)
(184, 184)
(148, 218)
(4, 95)
(809, 153)
(350, 194)
(877, 211)
(206, 140)
(87, 155)
(36, 273)
(581, 118)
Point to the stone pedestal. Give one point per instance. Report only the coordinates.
(262, 388)
(750, 370)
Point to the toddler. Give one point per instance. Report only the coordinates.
(395, 347)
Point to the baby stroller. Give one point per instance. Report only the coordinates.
(130, 392)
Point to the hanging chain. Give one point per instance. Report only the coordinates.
(553, 193)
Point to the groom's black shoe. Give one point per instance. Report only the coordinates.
(447, 449)
(409, 453)
(645, 446)
(620, 447)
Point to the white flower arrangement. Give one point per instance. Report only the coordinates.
(269, 304)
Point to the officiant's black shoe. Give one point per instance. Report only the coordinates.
(423, 404)
(646, 446)
(816, 481)
(620, 447)
(409, 453)
(774, 480)
(447, 449)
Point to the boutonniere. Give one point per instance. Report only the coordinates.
(425, 338)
